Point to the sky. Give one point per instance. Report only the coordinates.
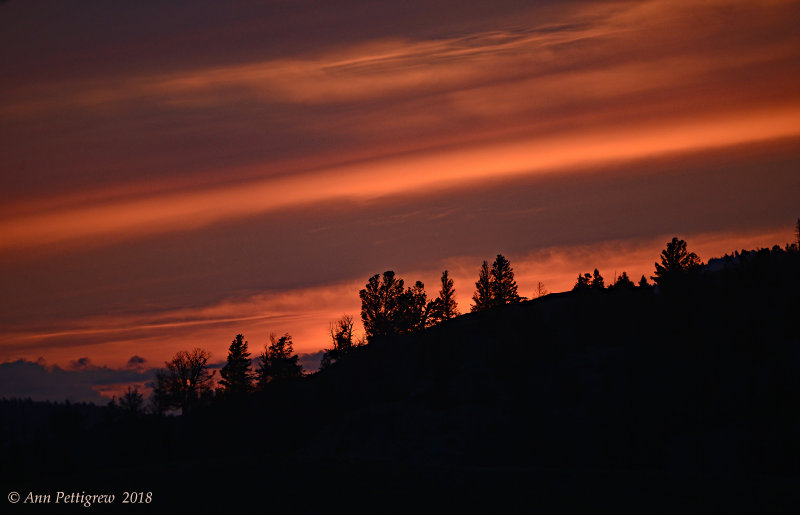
(176, 173)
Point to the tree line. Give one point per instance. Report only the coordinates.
(388, 307)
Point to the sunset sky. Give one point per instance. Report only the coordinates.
(175, 173)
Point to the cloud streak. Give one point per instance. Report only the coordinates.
(609, 84)
(154, 195)
(390, 177)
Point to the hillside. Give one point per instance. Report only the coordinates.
(683, 397)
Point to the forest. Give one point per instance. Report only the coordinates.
(678, 391)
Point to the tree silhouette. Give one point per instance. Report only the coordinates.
(388, 309)
(597, 281)
(412, 309)
(342, 339)
(237, 377)
(583, 283)
(444, 307)
(185, 381)
(541, 291)
(676, 262)
(623, 282)
(278, 361)
(503, 285)
(643, 282)
(131, 402)
(482, 298)
(380, 304)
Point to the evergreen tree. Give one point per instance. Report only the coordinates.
(380, 304)
(386, 308)
(237, 377)
(676, 262)
(412, 310)
(443, 307)
(597, 281)
(278, 361)
(503, 285)
(623, 282)
(447, 298)
(643, 282)
(482, 298)
(583, 283)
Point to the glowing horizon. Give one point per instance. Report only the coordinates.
(159, 190)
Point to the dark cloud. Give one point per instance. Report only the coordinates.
(82, 364)
(136, 362)
(27, 379)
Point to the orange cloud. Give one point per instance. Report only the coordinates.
(112, 339)
(305, 313)
(431, 170)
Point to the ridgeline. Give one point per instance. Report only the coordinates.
(681, 397)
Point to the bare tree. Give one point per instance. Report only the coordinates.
(342, 340)
(184, 382)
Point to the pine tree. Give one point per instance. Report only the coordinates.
(583, 283)
(676, 262)
(278, 361)
(623, 282)
(447, 297)
(597, 281)
(503, 285)
(380, 304)
(412, 310)
(643, 282)
(237, 377)
(443, 307)
(482, 298)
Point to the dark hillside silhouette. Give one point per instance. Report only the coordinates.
(621, 396)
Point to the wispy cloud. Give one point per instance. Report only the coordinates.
(152, 205)
(612, 82)
(305, 313)
(101, 223)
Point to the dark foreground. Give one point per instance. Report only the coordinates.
(682, 400)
